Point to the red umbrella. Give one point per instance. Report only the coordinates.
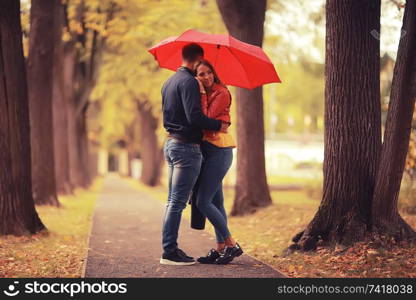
(237, 63)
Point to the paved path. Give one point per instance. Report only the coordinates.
(125, 240)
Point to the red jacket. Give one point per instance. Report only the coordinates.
(216, 105)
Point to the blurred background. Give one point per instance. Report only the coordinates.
(123, 109)
(95, 108)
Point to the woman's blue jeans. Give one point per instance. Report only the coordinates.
(184, 161)
(210, 198)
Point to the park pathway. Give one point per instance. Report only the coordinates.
(125, 240)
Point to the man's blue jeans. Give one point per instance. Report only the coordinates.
(184, 161)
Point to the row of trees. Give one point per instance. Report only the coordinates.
(17, 209)
(43, 104)
(68, 42)
(67, 47)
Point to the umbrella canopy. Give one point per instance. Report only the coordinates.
(237, 63)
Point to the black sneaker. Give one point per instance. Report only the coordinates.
(229, 254)
(181, 252)
(210, 258)
(176, 259)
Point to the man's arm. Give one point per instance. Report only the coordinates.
(192, 105)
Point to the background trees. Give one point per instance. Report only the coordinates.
(59, 106)
(84, 39)
(385, 215)
(130, 97)
(245, 21)
(105, 90)
(360, 188)
(40, 79)
(352, 123)
(17, 210)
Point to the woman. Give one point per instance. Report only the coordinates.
(217, 155)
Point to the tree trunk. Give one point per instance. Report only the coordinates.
(385, 215)
(75, 126)
(75, 167)
(17, 210)
(131, 140)
(352, 124)
(77, 137)
(77, 113)
(40, 74)
(83, 147)
(93, 164)
(82, 58)
(60, 110)
(151, 152)
(130, 159)
(245, 20)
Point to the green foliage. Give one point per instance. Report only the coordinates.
(296, 31)
(298, 102)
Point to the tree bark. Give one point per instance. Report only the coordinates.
(151, 152)
(40, 74)
(132, 137)
(17, 210)
(83, 146)
(60, 110)
(74, 167)
(78, 150)
(77, 135)
(352, 124)
(245, 20)
(82, 59)
(385, 215)
(93, 164)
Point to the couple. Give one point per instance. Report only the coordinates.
(196, 115)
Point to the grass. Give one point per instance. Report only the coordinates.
(268, 232)
(58, 252)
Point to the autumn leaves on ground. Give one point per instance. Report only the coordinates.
(265, 235)
(61, 250)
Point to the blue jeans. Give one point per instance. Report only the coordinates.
(184, 161)
(210, 198)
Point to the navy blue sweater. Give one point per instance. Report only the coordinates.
(181, 104)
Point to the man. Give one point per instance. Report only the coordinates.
(184, 121)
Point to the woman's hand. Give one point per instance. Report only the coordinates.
(201, 86)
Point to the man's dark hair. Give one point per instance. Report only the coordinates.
(191, 52)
